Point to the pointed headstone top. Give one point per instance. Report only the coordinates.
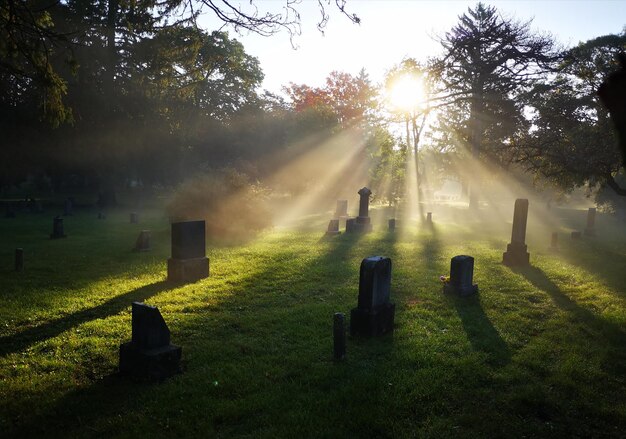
(365, 191)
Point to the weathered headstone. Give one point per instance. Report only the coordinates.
(461, 276)
(590, 230)
(576, 235)
(516, 254)
(554, 242)
(392, 224)
(149, 354)
(19, 259)
(361, 222)
(429, 217)
(188, 262)
(68, 207)
(134, 218)
(342, 209)
(57, 228)
(339, 336)
(143, 241)
(374, 314)
(333, 227)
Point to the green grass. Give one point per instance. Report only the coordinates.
(541, 351)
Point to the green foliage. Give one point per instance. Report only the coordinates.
(233, 208)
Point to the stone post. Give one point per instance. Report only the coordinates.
(57, 228)
(591, 222)
(516, 254)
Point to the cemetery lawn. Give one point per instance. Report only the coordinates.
(539, 352)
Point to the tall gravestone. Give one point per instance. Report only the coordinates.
(590, 230)
(461, 276)
(516, 254)
(188, 262)
(374, 313)
(342, 209)
(362, 222)
(57, 228)
(149, 354)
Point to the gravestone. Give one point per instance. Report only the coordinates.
(576, 235)
(516, 254)
(461, 276)
(361, 222)
(342, 209)
(134, 218)
(554, 242)
(57, 228)
(392, 224)
(429, 217)
(68, 207)
(19, 259)
(149, 354)
(590, 230)
(374, 313)
(143, 241)
(188, 262)
(339, 336)
(333, 227)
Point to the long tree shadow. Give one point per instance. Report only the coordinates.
(21, 340)
(538, 278)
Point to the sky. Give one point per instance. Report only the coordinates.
(392, 30)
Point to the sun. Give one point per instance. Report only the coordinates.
(407, 93)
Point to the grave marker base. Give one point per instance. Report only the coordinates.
(150, 364)
(515, 256)
(187, 270)
(461, 291)
(372, 322)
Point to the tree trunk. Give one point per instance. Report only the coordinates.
(476, 137)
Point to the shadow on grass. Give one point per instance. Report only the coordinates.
(482, 335)
(538, 278)
(20, 341)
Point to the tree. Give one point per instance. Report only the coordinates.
(573, 142)
(488, 65)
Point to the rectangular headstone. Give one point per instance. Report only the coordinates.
(188, 240)
(461, 276)
(591, 222)
(333, 227)
(374, 314)
(392, 224)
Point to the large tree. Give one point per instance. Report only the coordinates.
(573, 142)
(489, 63)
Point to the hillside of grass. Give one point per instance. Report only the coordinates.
(539, 352)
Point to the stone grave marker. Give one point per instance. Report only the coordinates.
(333, 227)
(188, 262)
(361, 222)
(339, 336)
(554, 241)
(374, 313)
(461, 276)
(392, 224)
(342, 209)
(590, 230)
(143, 241)
(134, 218)
(57, 228)
(516, 254)
(19, 259)
(149, 354)
(429, 217)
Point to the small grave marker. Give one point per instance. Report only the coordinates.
(339, 336)
(57, 228)
(143, 241)
(149, 354)
(516, 254)
(429, 217)
(333, 227)
(374, 314)
(134, 218)
(461, 276)
(392, 224)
